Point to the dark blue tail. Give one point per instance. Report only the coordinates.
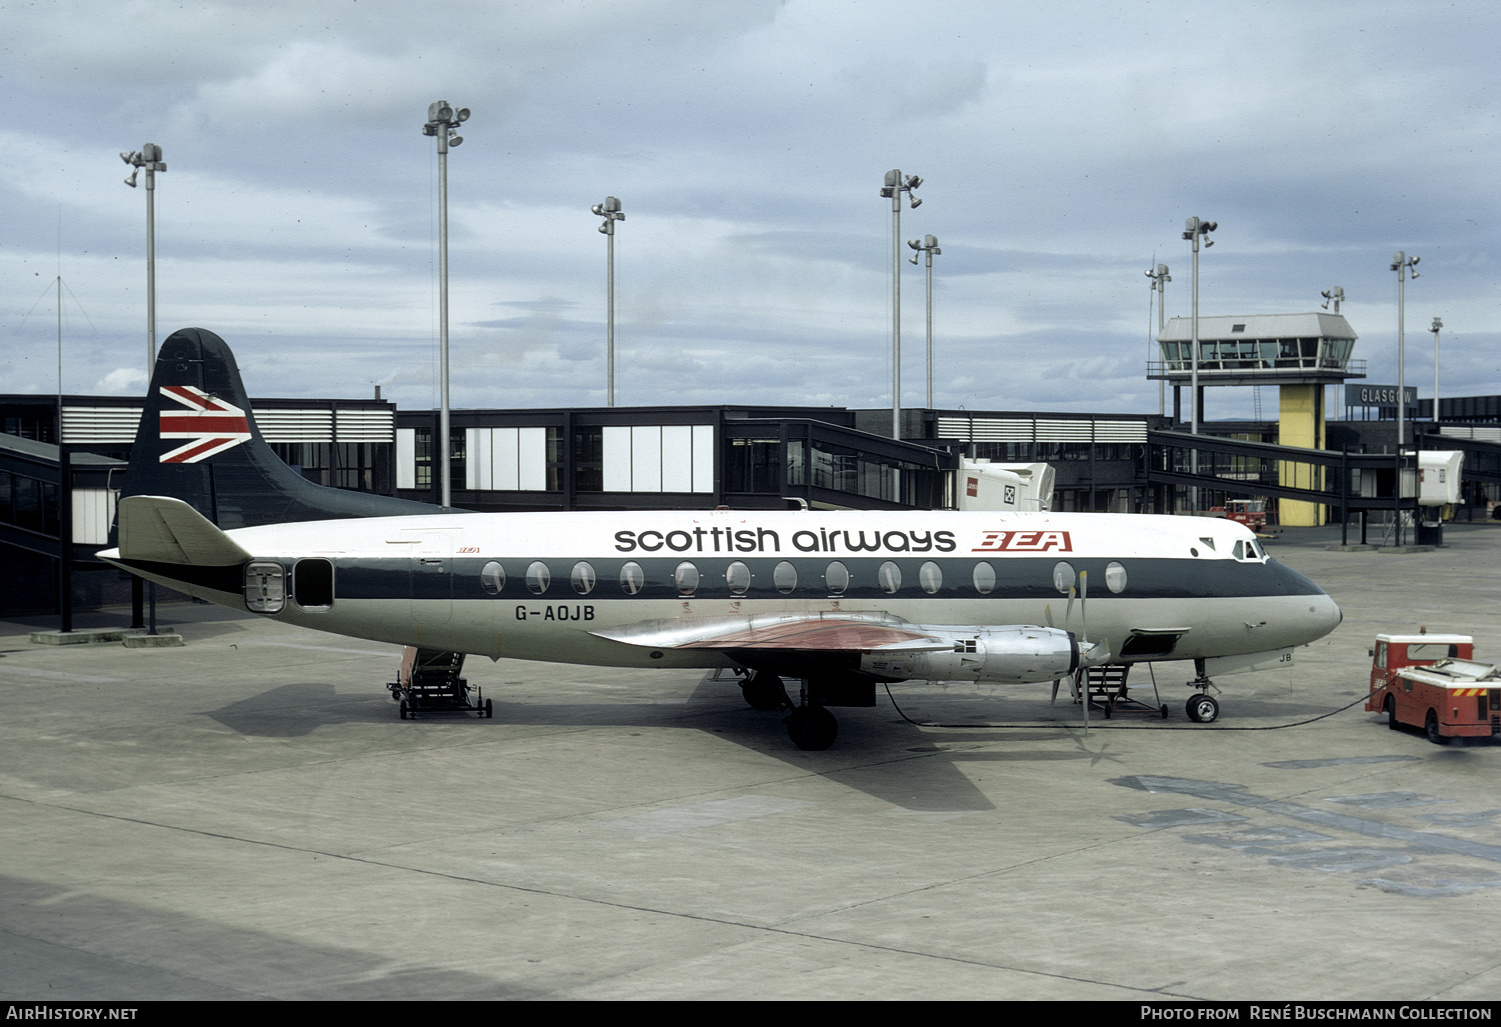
(198, 442)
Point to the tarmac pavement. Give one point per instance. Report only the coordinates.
(245, 817)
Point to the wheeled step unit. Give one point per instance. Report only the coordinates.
(1107, 691)
(429, 682)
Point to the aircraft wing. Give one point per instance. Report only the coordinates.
(827, 633)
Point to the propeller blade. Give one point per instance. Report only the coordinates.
(1083, 609)
(1047, 614)
(1056, 683)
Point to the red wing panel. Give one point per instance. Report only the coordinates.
(819, 635)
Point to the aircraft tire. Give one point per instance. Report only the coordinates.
(764, 692)
(812, 728)
(1203, 709)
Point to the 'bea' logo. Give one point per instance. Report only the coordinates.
(1024, 542)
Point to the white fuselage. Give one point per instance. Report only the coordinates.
(543, 586)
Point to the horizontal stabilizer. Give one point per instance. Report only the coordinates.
(808, 632)
(163, 530)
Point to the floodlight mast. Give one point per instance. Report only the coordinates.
(928, 247)
(610, 211)
(1193, 228)
(1159, 278)
(1401, 262)
(149, 158)
(442, 119)
(896, 184)
(1437, 326)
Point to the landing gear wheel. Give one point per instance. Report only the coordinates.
(1430, 727)
(764, 692)
(1390, 709)
(812, 727)
(1203, 709)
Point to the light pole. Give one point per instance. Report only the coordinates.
(1437, 326)
(610, 211)
(442, 119)
(1400, 264)
(148, 157)
(1159, 278)
(895, 185)
(929, 246)
(1193, 228)
(1335, 295)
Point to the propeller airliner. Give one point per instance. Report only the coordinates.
(838, 601)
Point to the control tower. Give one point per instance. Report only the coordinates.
(1299, 353)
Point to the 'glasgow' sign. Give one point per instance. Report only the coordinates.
(1378, 395)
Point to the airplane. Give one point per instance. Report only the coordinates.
(836, 600)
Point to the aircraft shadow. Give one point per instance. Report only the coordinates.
(878, 753)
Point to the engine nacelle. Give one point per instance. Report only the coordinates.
(1019, 654)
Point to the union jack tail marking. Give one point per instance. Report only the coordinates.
(211, 425)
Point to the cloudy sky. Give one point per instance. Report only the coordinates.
(1061, 145)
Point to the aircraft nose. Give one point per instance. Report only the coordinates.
(1328, 614)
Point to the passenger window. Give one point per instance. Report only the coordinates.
(582, 578)
(632, 578)
(984, 578)
(890, 578)
(930, 578)
(738, 577)
(538, 577)
(836, 578)
(493, 578)
(1063, 576)
(685, 578)
(784, 577)
(1115, 576)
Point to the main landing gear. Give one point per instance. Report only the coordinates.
(809, 723)
(1202, 708)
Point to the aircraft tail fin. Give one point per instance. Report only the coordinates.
(198, 442)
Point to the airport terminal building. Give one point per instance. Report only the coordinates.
(61, 463)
